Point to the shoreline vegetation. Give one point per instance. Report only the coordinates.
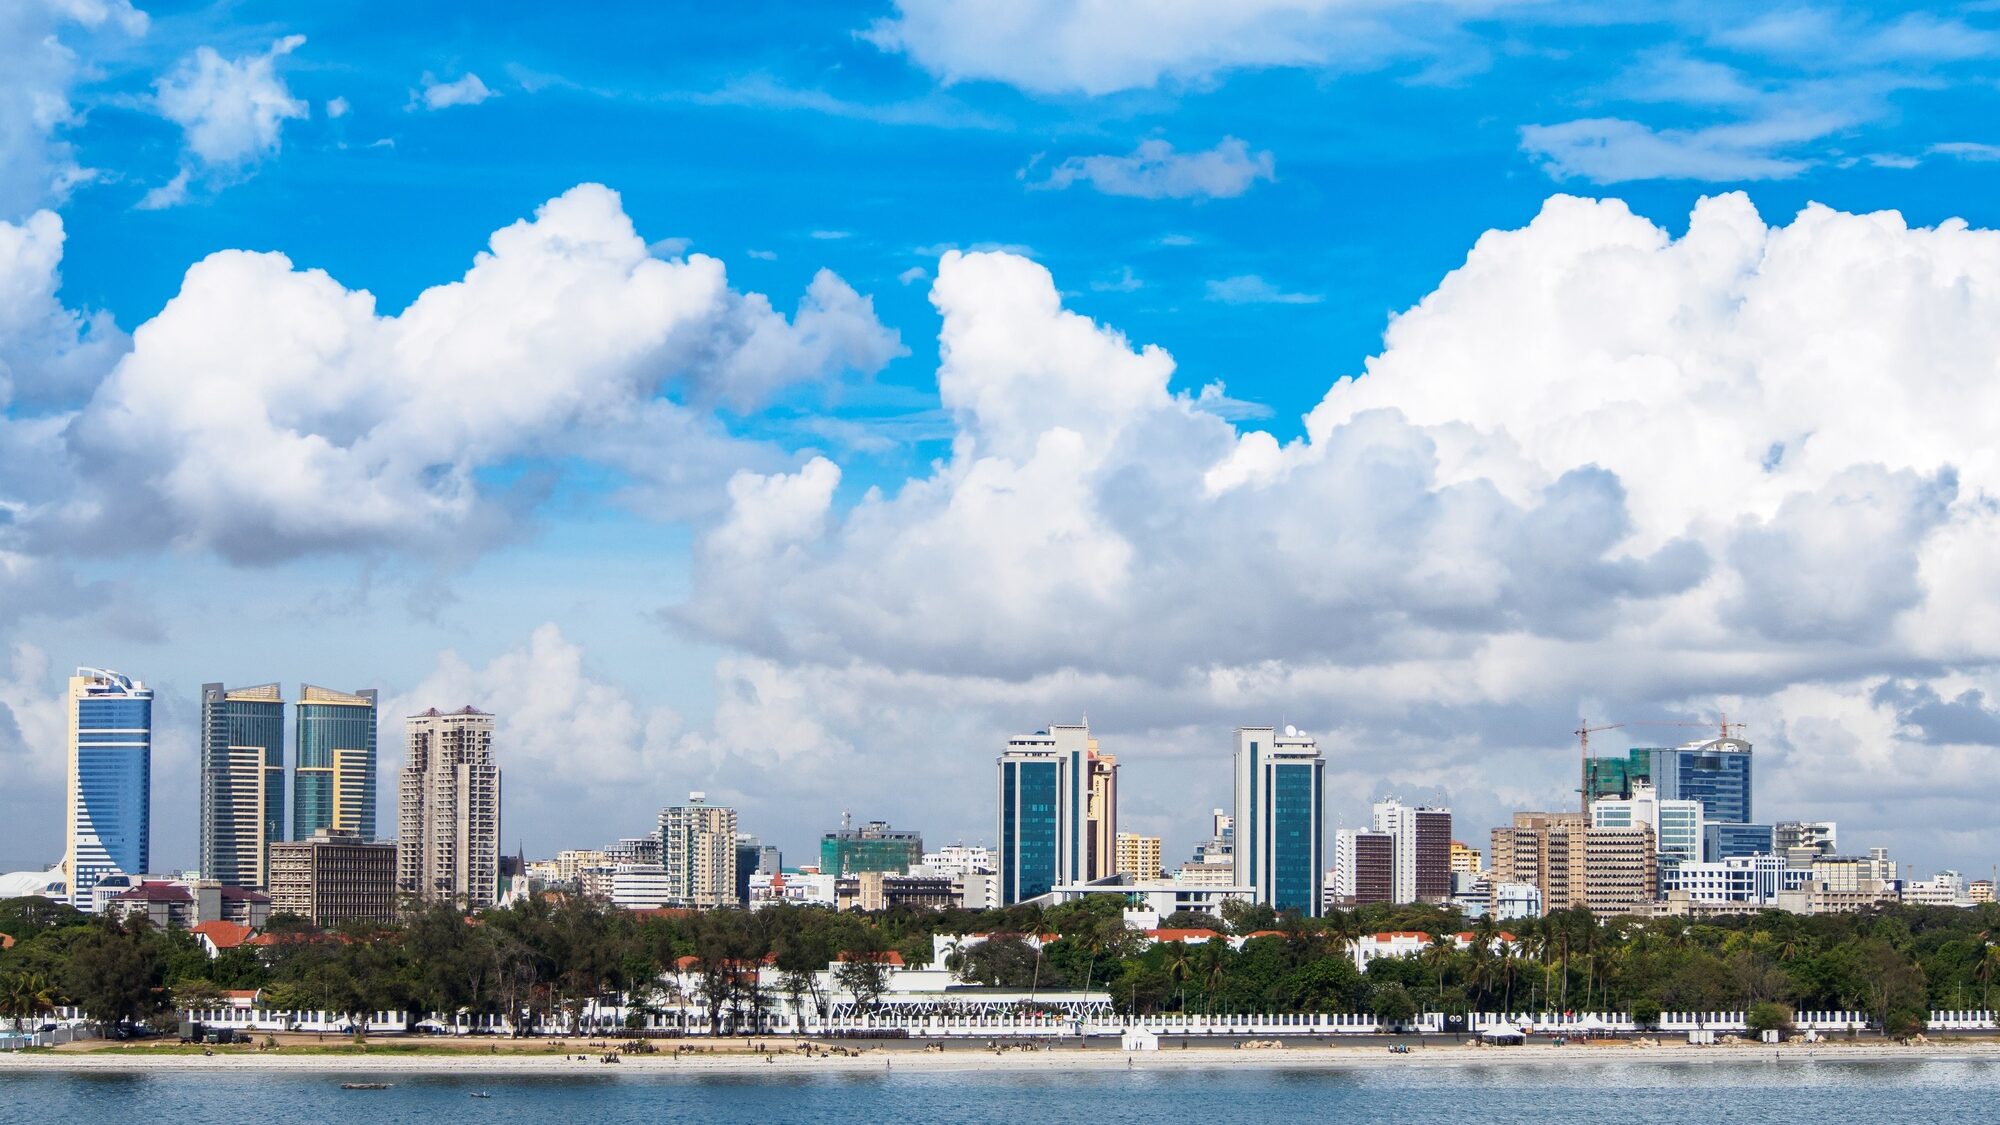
(781, 1056)
(550, 963)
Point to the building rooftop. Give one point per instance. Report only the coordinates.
(155, 892)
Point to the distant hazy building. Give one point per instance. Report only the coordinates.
(1138, 856)
(1102, 815)
(1221, 843)
(1820, 837)
(698, 852)
(333, 778)
(334, 877)
(872, 847)
(1422, 836)
(1044, 801)
(109, 827)
(449, 809)
(242, 799)
(1364, 866)
(1280, 820)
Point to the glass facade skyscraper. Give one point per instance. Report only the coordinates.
(110, 780)
(1280, 817)
(1044, 806)
(1715, 773)
(333, 781)
(242, 782)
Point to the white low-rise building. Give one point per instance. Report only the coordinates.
(639, 886)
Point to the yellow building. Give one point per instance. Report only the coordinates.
(1139, 856)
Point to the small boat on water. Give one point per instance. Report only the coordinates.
(365, 1085)
(479, 1094)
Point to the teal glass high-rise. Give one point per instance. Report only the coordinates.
(242, 782)
(333, 774)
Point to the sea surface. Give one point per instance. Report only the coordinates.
(1596, 1093)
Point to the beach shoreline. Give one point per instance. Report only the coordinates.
(975, 1060)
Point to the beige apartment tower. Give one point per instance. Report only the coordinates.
(1138, 856)
(698, 849)
(333, 878)
(448, 844)
(1607, 871)
(1102, 859)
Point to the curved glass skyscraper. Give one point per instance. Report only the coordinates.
(333, 779)
(110, 780)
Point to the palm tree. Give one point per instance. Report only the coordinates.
(1214, 969)
(1437, 957)
(1179, 968)
(1986, 967)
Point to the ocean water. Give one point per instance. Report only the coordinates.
(1790, 1092)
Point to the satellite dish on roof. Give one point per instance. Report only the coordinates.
(1291, 731)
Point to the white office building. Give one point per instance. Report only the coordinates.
(1676, 825)
(1752, 880)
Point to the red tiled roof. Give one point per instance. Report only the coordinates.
(1391, 935)
(1269, 933)
(889, 958)
(240, 993)
(6, 942)
(224, 935)
(1181, 935)
(155, 892)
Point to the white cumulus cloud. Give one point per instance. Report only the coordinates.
(269, 411)
(1599, 470)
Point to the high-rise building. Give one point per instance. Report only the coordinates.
(448, 843)
(1423, 849)
(1102, 814)
(109, 827)
(1676, 824)
(1466, 860)
(1138, 856)
(1044, 798)
(1603, 869)
(1221, 843)
(872, 847)
(242, 782)
(333, 772)
(698, 850)
(1715, 773)
(753, 858)
(1364, 866)
(334, 877)
(1280, 821)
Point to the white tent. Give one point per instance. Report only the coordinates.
(1501, 1033)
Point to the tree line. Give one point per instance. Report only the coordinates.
(543, 961)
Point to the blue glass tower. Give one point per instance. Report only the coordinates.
(1044, 802)
(110, 780)
(1715, 773)
(1280, 817)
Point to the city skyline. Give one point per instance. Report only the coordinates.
(755, 414)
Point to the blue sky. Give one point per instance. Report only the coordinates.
(1256, 191)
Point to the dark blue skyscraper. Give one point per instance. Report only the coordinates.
(242, 782)
(110, 780)
(1044, 801)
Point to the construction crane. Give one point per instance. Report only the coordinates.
(1583, 734)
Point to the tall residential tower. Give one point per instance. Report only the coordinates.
(109, 827)
(698, 851)
(242, 782)
(448, 844)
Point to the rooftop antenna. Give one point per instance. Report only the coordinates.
(846, 820)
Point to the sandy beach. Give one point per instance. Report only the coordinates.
(968, 1059)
